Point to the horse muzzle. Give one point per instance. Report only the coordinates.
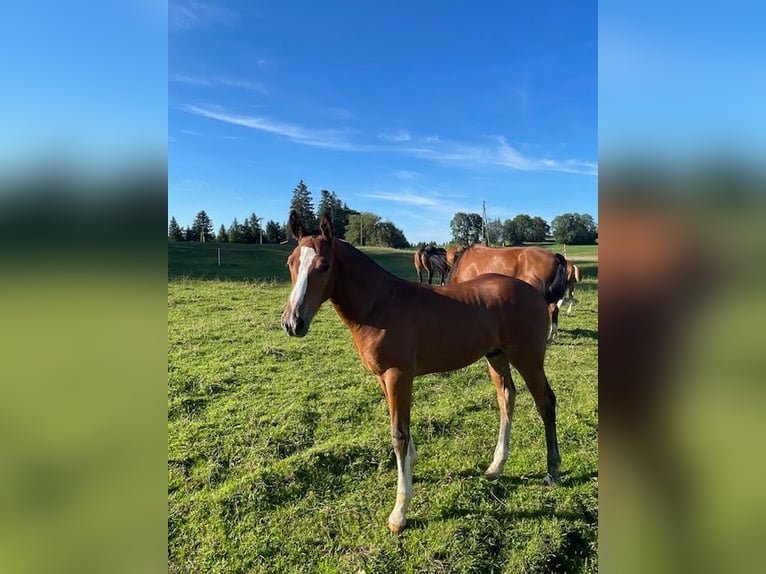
(294, 325)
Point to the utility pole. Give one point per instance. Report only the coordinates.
(484, 222)
(361, 235)
(259, 219)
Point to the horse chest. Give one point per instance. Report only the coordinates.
(380, 350)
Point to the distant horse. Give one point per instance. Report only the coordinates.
(433, 260)
(393, 321)
(574, 275)
(419, 263)
(537, 266)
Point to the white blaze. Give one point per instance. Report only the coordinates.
(301, 282)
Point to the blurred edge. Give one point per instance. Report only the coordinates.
(82, 406)
(83, 187)
(681, 366)
(682, 246)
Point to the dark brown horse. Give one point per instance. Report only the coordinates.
(543, 269)
(433, 260)
(393, 321)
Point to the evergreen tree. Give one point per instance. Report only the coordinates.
(303, 204)
(330, 204)
(202, 227)
(274, 232)
(389, 235)
(223, 237)
(174, 231)
(251, 229)
(235, 232)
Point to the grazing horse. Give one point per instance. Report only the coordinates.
(537, 266)
(574, 275)
(393, 321)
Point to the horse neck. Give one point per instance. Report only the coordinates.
(359, 282)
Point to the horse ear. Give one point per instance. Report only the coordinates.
(296, 227)
(325, 226)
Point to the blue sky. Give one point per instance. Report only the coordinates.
(413, 111)
(678, 80)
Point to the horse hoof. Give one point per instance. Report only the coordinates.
(492, 475)
(550, 480)
(396, 528)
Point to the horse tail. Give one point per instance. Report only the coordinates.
(454, 266)
(555, 290)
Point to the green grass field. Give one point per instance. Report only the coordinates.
(279, 451)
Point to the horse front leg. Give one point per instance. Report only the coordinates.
(399, 397)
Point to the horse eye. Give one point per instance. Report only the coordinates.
(325, 268)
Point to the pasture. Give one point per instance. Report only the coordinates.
(279, 450)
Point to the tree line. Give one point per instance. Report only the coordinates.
(568, 228)
(369, 229)
(359, 228)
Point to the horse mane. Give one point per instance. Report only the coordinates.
(556, 289)
(456, 263)
(358, 257)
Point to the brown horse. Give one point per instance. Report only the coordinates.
(574, 275)
(419, 263)
(537, 266)
(451, 253)
(432, 260)
(393, 321)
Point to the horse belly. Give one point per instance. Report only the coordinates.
(439, 354)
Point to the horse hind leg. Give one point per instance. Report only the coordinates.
(500, 371)
(553, 331)
(545, 401)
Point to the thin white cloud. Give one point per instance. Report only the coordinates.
(192, 81)
(328, 139)
(472, 156)
(244, 84)
(336, 113)
(222, 81)
(432, 203)
(185, 15)
(399, 135)
(403, 197)
(499, 155)
(406, 175)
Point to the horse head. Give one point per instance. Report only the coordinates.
(311, 274)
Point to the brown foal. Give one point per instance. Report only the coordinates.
(403, 329)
